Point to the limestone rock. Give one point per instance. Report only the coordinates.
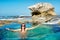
(42, 7)
(42, 12)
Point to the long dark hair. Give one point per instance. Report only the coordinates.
(24, 26)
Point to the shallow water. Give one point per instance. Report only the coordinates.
(42, 32)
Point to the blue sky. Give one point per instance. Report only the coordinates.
(20, 7)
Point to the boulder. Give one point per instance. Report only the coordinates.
(42, 12)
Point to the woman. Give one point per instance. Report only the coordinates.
(22, 31)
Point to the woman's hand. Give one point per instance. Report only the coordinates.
(13, 30)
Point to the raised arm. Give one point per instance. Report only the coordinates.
(13, 30)
(32, 27)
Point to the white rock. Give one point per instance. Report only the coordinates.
(41, 7)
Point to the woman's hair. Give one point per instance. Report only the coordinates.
(24, 26)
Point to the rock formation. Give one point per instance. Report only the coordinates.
(42, 12)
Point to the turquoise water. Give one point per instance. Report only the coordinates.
(45, 32)
(42, 32)
(15, 25)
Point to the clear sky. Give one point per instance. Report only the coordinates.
(20, 7)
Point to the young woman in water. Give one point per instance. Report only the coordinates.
(22, 31)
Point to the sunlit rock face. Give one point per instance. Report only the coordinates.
(42, 12)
